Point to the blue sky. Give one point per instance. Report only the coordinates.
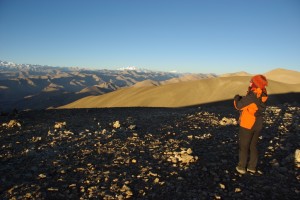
(213, 36)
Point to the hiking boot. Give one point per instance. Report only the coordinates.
(254, 172)
(251, 170)
(240, 170)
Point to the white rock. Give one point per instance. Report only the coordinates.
(60, 125)
(297, 158)
(116, 124)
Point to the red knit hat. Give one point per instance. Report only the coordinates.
(259, 81)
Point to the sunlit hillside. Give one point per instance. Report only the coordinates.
(179, 94)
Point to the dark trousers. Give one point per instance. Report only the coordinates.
(247, 146)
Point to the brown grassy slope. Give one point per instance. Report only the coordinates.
(280, 75)
(146, 83)
(242, 73)
(188, 77)
(284, 75)
(179, 94)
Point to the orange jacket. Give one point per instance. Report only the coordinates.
(251, 106)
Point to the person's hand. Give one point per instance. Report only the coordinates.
(237, 97)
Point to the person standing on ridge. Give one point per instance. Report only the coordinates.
(251, 107)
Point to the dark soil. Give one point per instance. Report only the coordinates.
(156, 153)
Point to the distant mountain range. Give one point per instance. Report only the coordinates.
(26, 86)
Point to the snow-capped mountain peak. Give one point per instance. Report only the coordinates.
(129, 68)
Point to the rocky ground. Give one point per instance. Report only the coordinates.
(144, 153)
